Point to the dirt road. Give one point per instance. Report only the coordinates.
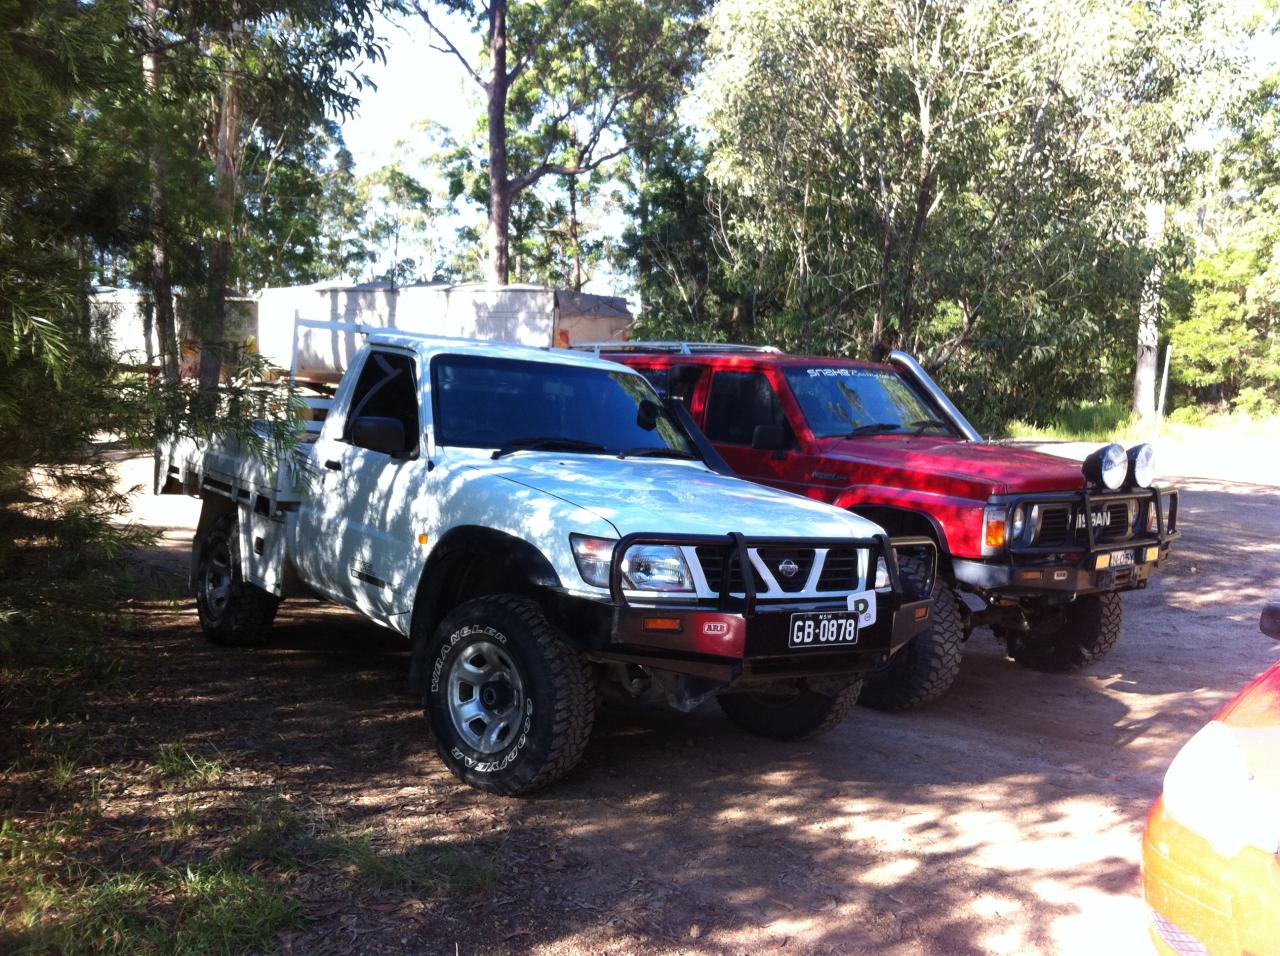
(1004, 819)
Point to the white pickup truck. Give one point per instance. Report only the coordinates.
(538, 526)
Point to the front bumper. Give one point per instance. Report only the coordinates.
(1202, 902)
(1092, 561)
(738, 637)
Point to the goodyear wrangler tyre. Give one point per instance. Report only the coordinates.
(510, 703)
(926, 668)
(1070, 638)
(805, 710)
(232, 611)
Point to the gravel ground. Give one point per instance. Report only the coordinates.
(1003, 819)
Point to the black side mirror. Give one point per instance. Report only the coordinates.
(379, 434)
(1270, 623)
(647, 414)
(768, 438)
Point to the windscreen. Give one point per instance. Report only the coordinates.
(841, 401)
(486, 402)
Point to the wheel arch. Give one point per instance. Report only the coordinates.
(211, 509)
(906, 521)
(472, 561)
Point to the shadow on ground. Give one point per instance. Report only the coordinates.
(983, 824)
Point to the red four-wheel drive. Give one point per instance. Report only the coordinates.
(1046, 544)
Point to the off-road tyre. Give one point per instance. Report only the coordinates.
(1069, 638)
(926, 668)
(233, 612)
(542, 731)
(794, 715)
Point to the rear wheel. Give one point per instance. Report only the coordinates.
(232, 611)
(510, 703)
(806, 709)
(922, 671)
(1069, 638)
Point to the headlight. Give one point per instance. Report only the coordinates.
(593, 556)
(1210, 789)
(1108, 466)
(649, 567)
(1019, 522)
(1142, 465)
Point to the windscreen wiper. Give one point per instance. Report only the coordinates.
(873, 428)
(656, 453)
(547, 443)
(921, 424)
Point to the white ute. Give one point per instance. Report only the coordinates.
(537, 526)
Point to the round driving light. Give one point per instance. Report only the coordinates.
(1142, 465)
(1108, 466)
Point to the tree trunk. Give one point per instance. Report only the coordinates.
(499, 186)
(159, 273)
(226, 160)
(573, 234)
(1144, 375)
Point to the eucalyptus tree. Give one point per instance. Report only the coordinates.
(244, 91)
(568, 85)
(955, 176)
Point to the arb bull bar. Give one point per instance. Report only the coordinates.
(741, 634)
(1081, 560)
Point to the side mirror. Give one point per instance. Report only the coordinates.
(768, 438)
(1270, 623)
(647, 414)
(379, 434)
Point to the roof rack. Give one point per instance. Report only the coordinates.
(679, 348)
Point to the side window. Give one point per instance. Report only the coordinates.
(657, 377)
(674, 381)
(740, 401)
(684, 382)
(386, 388)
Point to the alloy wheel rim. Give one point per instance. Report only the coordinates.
(217, 578)
(485, 697)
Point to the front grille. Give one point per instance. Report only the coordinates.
(1117, 526)
(713, 562)
(1055, 526)
(800, 564)
(1064, 525)
(840, 572)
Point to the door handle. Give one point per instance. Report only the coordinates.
(333, 465)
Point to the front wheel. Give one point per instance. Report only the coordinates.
(805, 709)
(1069, 638)
(232, 611)
(922, 671)
(510, 703)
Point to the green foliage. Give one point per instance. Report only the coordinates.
(585, 81)
(1225, 302)
(1093, 421)
(210, 908)
(681, 279)
(185, 764)
(964, 180)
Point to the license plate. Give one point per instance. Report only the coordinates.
(1122, 559)
(823, 629)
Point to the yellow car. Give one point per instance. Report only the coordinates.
(1211, 850)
